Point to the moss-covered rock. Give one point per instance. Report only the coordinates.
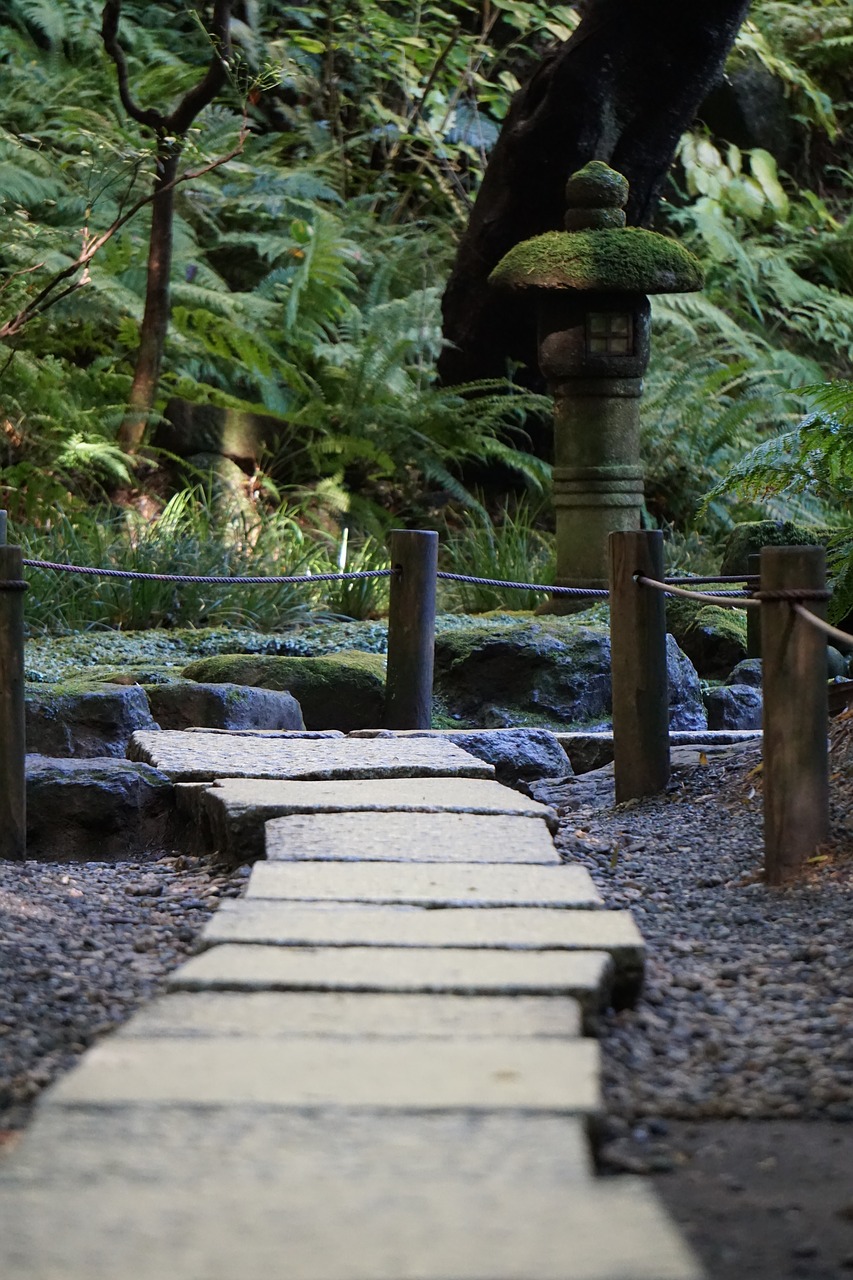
(335, 691)
(184, 704)
(713, 638)
(747, 540)
(550, 672)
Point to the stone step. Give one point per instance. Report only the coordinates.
(344, 1015)
(409, 837)
(449, 885)
(270, 1194)
(202, 756)
(585, 975)
(560, 1077)
(229, 816)
(285, 924)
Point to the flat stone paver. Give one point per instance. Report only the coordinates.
(259, 1193)
(555, 1076)
(230, 815)
(409, 837)
(202, 756)
(586, 975)
(286, 924)
(442, 885)
(345, 1015)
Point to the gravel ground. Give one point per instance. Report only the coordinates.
(81, 945)
(731, 1082)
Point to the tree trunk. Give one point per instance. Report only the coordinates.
(155, 318)
(622, 89)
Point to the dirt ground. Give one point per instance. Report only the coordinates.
(764, 1200)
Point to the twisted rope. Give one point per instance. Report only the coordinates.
(212, 579)
(725, 601)
(841, 637)
(593, 593)
(12, 584)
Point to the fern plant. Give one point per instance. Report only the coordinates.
(814, 459)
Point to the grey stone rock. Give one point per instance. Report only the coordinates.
(547, 672)
(734, 706)
(837, 663)
(518, 755)
(186, 704)
(686, 710)
(747, 672)
(85, 721)
(96, 809)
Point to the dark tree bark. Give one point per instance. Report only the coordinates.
(170, 129)
(622, 89)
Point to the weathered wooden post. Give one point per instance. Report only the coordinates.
(590, 284)
(639, 678)
(411, 630)
(796, 770)
(13, 824)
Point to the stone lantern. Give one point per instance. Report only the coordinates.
(590, 283)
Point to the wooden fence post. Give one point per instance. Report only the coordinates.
(13, 824)
(796, 769)
(638, 665)
(411, 630)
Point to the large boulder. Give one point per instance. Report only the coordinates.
(747, 539)
(546, 672)
(733, 706)
(84, 720)
(335, 691)
(96, 809)
(185, 704)
(713, 638)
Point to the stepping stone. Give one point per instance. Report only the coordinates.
(285, 924)
(586, 975)
(344, 1015)
(454, 884)
(230, 815)
(263, 1193)
(559, 1077)
(202, 756)
(409, 837)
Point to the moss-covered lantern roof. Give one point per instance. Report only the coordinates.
(597, 251)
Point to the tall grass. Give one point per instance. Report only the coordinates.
(190, 537)
(512, 547)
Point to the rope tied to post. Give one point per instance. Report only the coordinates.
(13, 584)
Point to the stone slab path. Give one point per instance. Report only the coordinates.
(376, 1068)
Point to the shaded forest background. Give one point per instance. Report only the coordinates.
(320, 163)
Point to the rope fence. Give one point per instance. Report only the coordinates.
(793, 644)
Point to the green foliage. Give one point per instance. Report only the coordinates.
(513, 547)
(815, 458)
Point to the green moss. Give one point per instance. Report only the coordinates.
(748, 538)
(713, 638)
(335, 691)
(630, 260)
(596, 186)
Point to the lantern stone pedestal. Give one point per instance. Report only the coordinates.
(590, 283)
